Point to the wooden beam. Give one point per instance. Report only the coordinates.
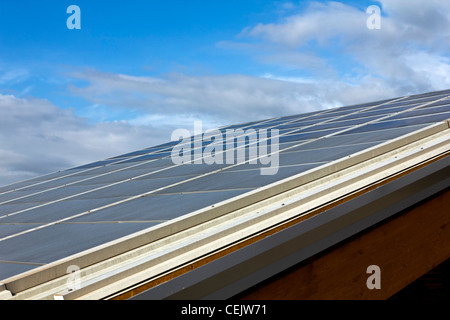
(404, 247)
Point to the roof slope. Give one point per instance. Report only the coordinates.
(147, 201)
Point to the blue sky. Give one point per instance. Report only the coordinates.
(137, 70)
(139, 38)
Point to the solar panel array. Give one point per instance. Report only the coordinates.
(51, 217)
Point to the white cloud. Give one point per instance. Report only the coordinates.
(230, 98)
(320, 22)
(13, 76)
(410, 52)
(425, 15)
(37, 137)
(226, 99)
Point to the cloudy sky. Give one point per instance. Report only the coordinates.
(139, 69)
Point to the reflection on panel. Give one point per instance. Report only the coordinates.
(62, 240)
(155, 207)
(321, 155)
(57, 211)
(132, 188)
(388, 124)
(8, 270)
(238, 179)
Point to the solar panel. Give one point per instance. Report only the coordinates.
(64, 213)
